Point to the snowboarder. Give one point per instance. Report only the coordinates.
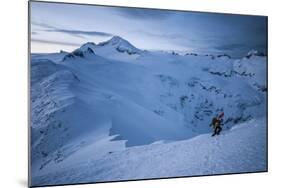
(217, 123)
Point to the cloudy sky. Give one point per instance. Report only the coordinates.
(56, 27)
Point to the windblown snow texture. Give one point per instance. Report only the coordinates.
(110, 111)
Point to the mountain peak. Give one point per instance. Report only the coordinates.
(115, 40)
(121, 45)
(114, 44)
(254, 53)
(87, 45)
(80, 52)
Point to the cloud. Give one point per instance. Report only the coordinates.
(81, 32)
(76, 33)
(55, 42)
(161, 35)
(137, 13)
(229, 47)
(43, 25)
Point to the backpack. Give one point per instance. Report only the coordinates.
(216, 122)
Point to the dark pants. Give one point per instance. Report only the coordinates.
(217, 130)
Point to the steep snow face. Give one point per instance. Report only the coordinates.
(41, 68)
(50, 97)
(98, 99)
(253, 69)
(199, 87)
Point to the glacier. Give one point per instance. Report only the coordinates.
(111, 112)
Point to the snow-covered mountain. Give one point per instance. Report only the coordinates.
(116, 48)
(103, 102)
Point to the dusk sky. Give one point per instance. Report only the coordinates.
(56, 26)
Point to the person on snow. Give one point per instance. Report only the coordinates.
(217, 123)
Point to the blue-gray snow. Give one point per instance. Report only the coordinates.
(110, 111)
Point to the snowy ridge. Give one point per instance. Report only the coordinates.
(242, 149)
(102, 102)
(254, 53)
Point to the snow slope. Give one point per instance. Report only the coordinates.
(112, 96)
(241, 149)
